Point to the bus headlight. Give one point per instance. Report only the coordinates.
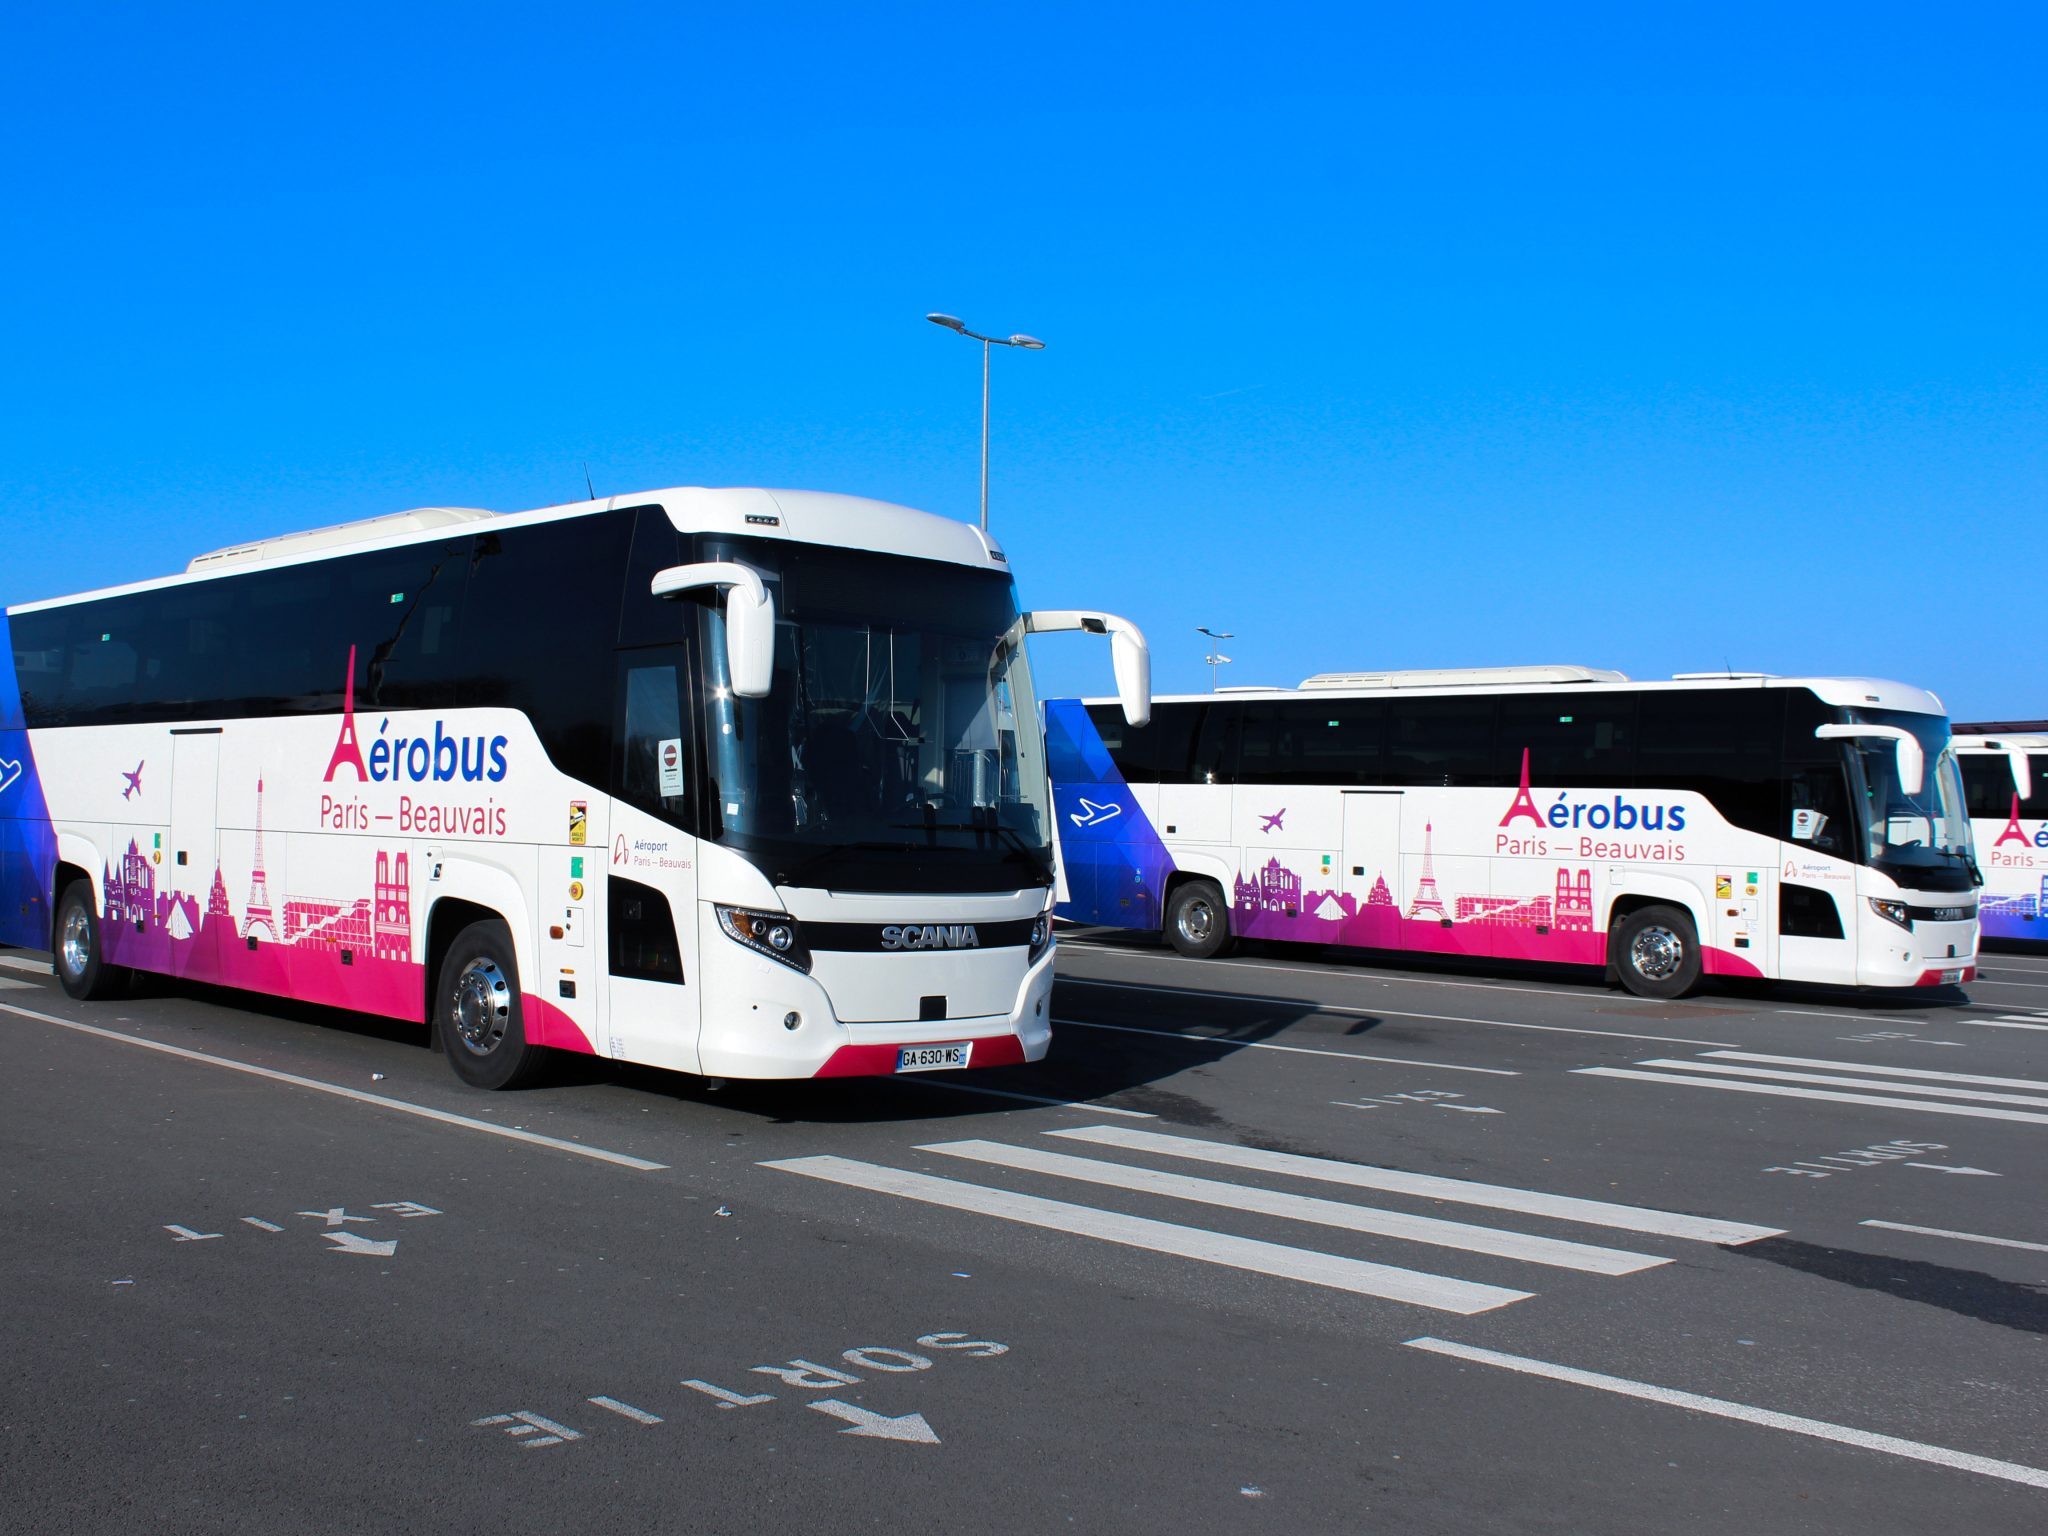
(1892, 911)
(774, 934)
(1041, 935)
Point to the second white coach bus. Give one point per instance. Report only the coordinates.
(2005, 781)
(742, 783)
(1731, 825)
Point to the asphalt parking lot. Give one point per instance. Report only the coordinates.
(1275, 1243)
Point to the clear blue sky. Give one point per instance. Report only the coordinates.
(1656, 337)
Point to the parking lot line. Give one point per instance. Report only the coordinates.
(442, 1116)
(1961, 1237)
(1819, 1429)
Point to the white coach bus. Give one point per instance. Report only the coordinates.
(737, 782)
(2005, 782)
(1725, 824)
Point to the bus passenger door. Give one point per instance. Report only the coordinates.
(1372, 849)
(194, 852)
(650, 869)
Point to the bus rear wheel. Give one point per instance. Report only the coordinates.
(1197, 921)
(78, 958)
(479, 1011)
(1656, 952)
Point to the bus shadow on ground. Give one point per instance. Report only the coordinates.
(1345, 961)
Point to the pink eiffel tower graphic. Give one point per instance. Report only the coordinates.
(259, 915)
(1426, 899)
(346, 753)
(1524, 805)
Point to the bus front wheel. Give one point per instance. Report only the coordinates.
(1656, 952)
(1197, 921)
(78, 959)
(479, 1011)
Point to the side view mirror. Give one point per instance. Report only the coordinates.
(1130, 657)
(749, 618)
(1912, 761)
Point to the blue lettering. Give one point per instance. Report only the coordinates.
(473, 770)
(419, 759)
(1559, 816)
(497, 759)
(444, 766)
(2041, 837)
(1625, 815)
(1676, 816)
(380, 758)
(1597, 816)
(1577, 812)
(1653, 826)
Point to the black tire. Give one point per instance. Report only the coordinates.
(1197, 920)
(77, 955)
(1656, 952)
(479, 1013)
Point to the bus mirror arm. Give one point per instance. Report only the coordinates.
(749, 618)
(1912, 761)
(1129, 655)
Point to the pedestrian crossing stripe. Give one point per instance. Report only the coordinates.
(1920, 1090)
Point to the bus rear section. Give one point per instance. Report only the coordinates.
(1798, 828)
(2005, 782)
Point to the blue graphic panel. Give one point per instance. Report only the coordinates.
(28, 845)
(1115, 864)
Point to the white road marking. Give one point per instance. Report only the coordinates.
(1961, 1237)
(1978, 1173)
(267, 1226)
(1860, 1018)
(442, 1116)
(1341, 1011)
(1819, 1429)
(9, 984)
(187, 1235)
(877, 1426)
(1843, 1080)
(1921, 1105)
(1429, 1186)
(1555, 1252)
(27, 967)
(2032, 986)
(626, 1410)
(1441, 1292)
(2004, 1024)
(1027, 1098)
(1224, 1042)
(1927, 1073)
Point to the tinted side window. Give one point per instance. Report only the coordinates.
(1338, 741)
(1574, 740)
(1215, 756)
(1808, 912)
(654, 764)
(643, 932)
(1269, 746)
(1988, 786)
(1723, 743)
(538, 632)
(1442, 740)
(1155, 753)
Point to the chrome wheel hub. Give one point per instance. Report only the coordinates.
(1657, 953)
(482, 1006)
(75, 944)
(1197, 921)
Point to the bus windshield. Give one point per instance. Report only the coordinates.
(897, 744)
(1906, 833)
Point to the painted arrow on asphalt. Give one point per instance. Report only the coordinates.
(349, 1242)
(861, 1421)
(1982, 1173)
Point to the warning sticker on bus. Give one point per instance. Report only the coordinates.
(579, 823)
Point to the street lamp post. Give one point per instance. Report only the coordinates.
(1028, 343)
(1215, 658)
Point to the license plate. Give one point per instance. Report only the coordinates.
(1950, 978)
(933, 1058)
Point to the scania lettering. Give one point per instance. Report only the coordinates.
(2005, 781)
(1715, 824)
(744, 783)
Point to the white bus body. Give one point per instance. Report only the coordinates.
(1800, 828)
(737, 782)
(2005, 780)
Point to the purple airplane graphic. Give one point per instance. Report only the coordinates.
(1272, 822)
(134, 781)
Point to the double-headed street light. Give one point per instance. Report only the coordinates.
(1029, 343)
(1215, 658)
